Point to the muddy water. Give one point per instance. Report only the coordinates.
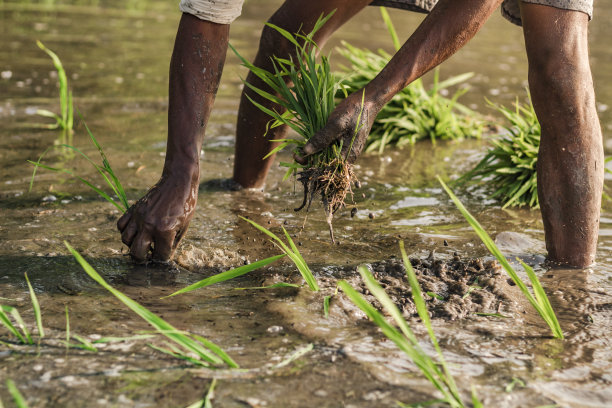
(116, 54)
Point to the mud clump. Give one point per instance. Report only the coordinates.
(453, 289)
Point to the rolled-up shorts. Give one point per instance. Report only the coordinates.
(226, 11)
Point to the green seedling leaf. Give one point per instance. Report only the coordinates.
(273, 286)
(493, 315)
(227, 275)
(36, 307)
(295, 355)
(205, 355)
(292, 252)
(540, 302)
(17, 396)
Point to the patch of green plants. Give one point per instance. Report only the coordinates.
(538, 300)
(509, 167)
(435, 370)
(415, 113)
(290, 250)
(306, 89)
(65, 119)
(186, 346)
(16, 326)
(105, 170)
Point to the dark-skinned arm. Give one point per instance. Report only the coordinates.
(447, 28)
(157, 222)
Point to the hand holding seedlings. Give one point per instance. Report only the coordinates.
(349, 124)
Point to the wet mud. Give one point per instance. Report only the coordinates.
(116, 55)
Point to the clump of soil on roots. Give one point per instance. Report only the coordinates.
(453, 289)
(332, 182)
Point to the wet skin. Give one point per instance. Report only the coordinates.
(570, 165)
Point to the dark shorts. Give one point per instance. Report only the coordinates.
(510, 8)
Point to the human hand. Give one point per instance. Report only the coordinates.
(350, 122)
(158, 221)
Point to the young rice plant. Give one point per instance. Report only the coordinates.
(435, 370)
(309, 101)
(65, 119)
(290, 250)
(509, 167)
(105, 170)
(540, 301)
(184, 345)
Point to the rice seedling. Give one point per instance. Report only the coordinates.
(22, 333)
(185, 345)
(538, 300)
(307, 89)
(227, 275)
(18, 398)
(414, 113)
(272, 286)
(65, 119)
(509, 167)
(291, 251)
(435, 370)
(105, 170)
(207, 401)
(36, 307)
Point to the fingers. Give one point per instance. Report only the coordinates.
(125, 218)
(127, 236)
(323, 138)
(140, 246)
(164, 246)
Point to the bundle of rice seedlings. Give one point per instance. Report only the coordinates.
(509, 167)
(307, 90)
(414, 113)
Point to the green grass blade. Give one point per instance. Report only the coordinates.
(36, 307)
(421, 307)
(273, 286)
(85, 344)
(488, 242)
(17, 396)
(6, 321)
(17, 317)
(159, 324)
(389, 24)
(227, 275)
(326, 301)
(67, 328)
(424, 362)
(302, 266)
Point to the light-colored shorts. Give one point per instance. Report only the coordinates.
(226, 11)
(510, 8)
(215, 11)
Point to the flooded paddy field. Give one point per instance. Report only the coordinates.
(116, 55)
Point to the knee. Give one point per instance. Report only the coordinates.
(560, 70)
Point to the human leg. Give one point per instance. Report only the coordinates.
(570, 161)
(251, 145)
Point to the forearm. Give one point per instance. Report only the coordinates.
(449, 26)
(195, 72)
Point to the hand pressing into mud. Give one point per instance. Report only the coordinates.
(341, 125)
(157, 222)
